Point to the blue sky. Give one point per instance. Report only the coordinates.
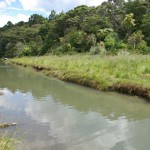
(20, 10)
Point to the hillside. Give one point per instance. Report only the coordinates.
(111, 28)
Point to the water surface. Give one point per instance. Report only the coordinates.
(54, 115)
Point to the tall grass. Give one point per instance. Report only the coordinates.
(103, 73)
(7, 143)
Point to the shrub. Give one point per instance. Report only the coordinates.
(123, 52)
(77, 39)
(98, 49)
(121, 45)
(143, 48)
(110, 42)
(90, 41)
(26, 51)
(137, 44)
(134, 39)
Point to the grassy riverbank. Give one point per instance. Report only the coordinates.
(7, 143)
(125, 74)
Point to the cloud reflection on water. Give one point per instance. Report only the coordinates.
(67, 126)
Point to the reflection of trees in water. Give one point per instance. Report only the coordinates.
(83, 99)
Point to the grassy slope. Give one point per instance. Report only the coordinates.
(126, 74)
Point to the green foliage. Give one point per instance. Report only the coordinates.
(26, 51)
(143, 48)
(128, 21)
(66, 48)
(98, 49)
(137, 43)
(94, 23)
(110, 42)
(139, 8)
(135, 38)
(36, 19)
(9, 24)
(102, 33)
(146, 26)
(7, 142)
(73, 22)
(118, 24)
(31, 49)
(77, 39)
(100, 72)
(52, 15)
(90, 41)
(121, 45)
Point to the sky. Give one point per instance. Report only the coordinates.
(21, 10)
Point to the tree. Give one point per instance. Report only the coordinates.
(110, 41)
(137, 43)
(9, 24)
(102, 33)
(73, 22)
(36, 19)
(129, 23)
(118, 24)
(145, 26)
(52, 15)
(138, 8)
(94, 23)
(21, 23)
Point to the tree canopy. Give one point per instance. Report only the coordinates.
(112, 26)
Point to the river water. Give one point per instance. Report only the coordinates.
(54, 115)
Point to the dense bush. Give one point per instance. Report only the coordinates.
(118, 25)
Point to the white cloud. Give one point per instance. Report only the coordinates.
(14, 19)
(5, 3)
(13, 8)
(58, 5)
(29, 6)
(9, 1)
(39, 5)
(94, 2)
(2, 5)
(22, 17)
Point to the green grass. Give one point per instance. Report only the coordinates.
(127, 74)
(7, 143)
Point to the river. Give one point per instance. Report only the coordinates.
(54, 115)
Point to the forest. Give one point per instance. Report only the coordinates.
(114, 27)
